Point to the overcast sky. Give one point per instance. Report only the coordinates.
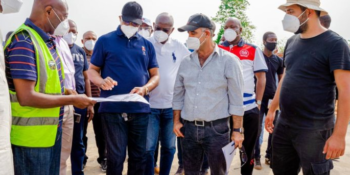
(101, 16)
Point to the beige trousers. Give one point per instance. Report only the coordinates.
(67, 137)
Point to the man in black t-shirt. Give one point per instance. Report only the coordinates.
(275, 69)
(316, 61)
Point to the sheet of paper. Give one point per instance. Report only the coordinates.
(122, 98)
(229, 152)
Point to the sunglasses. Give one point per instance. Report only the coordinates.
(243, 157)
(130, 24)
(166, 30)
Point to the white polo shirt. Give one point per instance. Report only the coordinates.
(169, 57)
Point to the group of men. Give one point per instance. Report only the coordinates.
(205, 94)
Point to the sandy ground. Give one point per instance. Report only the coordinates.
(341, 166)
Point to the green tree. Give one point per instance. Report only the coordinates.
(234, 8)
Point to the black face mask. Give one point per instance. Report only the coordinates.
(270, 46)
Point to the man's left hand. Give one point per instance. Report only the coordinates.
(139, 90)
(334, 147)
(91, 113)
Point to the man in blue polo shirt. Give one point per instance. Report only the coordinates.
(127, 63)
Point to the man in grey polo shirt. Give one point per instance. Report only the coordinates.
(208, 90)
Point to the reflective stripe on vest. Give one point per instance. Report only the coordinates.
(37, 127)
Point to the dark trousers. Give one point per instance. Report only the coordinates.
(78, 148)
(293, 149)
(205, 164)
(263, 112)
(205, 140)
(99, 137)
(121, 134)
(85, 139)
(38, 161)
(251, 127)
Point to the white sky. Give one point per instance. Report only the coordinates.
(101, 16)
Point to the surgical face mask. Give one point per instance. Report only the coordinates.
(194, 43)
(62, 28)
(144, 33)
(89, 45)
(11, 6)
(270, 46)
(292, 23)
(70, 38)
(160, 36)
(129, 31)
(230, 35)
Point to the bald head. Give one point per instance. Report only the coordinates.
(48, 14)
(326, 21)
(72, 27)
(165, 18)
(234, 20)
(89, 33)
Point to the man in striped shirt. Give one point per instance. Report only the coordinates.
(22, 75)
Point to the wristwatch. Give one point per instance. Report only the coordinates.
(258, 102)
(147, 91)
(237, 130)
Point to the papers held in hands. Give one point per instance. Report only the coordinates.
(121, 98)
(229, 152)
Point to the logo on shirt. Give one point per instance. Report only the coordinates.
(244, 53)
(144, 50)
(52, 65)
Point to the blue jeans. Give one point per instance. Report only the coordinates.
(160, 124)
(78, 148)
(38, 161)
(205, 140)
(121, 134)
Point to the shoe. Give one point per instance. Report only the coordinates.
(204, 172)
(103, 165)
(257, 165)
(156, 170)
(180, 171)
(267, 161)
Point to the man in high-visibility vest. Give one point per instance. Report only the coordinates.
(6, 159)
(35, 77)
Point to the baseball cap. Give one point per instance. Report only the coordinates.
(132, 12)
(147, 21)
(197, 21)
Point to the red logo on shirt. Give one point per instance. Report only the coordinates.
(144, 50)
(244, 53)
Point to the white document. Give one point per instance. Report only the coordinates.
(121, 98)
(229, 152)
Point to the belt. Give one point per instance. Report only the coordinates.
(206, 123)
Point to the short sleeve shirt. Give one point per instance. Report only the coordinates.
(275, 67)
(81, 65)
(308, 91)
(21, 59)
(126, 61)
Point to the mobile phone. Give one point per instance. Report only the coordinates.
(77, 117)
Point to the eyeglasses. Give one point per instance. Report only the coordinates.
(243, 157)
(130, 24)
(166, 30)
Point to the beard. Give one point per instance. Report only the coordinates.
(304, 25)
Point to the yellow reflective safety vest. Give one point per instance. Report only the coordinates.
(37, 127)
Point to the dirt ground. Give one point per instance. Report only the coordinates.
(341, 166)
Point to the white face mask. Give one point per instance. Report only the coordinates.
(129, 31)
(11, 6)
(62, 28)
(89, 45)
(292, 23)
(144, 33)
(70, 38)
(160, 36)
(230, 35)
(194, 43)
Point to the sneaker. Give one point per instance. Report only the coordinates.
(156, 170)
(267, 161)
(204, 172)
(257, 164)
(180, 171)
(103, 165)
